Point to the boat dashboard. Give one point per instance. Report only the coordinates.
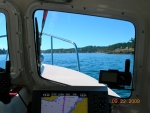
(73, 99)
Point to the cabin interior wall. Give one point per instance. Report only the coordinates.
(133, 5)
(143, 83)
(147, 84)
(144, 79)
(25, 77)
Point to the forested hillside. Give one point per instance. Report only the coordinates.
(2, 51)
(127, 47)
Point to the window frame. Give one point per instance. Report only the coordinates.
(132, 17)
(13, 30)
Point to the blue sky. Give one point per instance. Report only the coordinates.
(3, 41)
(84, 30)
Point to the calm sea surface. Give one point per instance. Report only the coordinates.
(90, 63)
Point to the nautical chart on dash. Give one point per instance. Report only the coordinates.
(64, 103)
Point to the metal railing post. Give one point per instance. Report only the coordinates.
(76, 49)
(78, 64)
(52, 50)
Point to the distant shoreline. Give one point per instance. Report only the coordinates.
(115, 51)
(119, 48)
(122, 51)
(95, 52)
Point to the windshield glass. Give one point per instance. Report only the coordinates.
(3, 41)
(103, 43)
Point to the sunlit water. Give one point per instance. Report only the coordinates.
(2, 60)
(90, 63)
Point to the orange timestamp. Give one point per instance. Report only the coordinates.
(125, 101)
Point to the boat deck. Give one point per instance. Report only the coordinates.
(70, 77)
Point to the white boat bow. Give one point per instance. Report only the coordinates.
(70, 77)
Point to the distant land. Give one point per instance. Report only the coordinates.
(3, 51)
(119, 48)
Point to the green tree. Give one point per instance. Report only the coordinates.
(132, 40)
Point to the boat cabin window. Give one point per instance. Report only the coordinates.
(3, 42)
(84, 43)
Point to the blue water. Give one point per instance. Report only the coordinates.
(92, 63)
(2, 60)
